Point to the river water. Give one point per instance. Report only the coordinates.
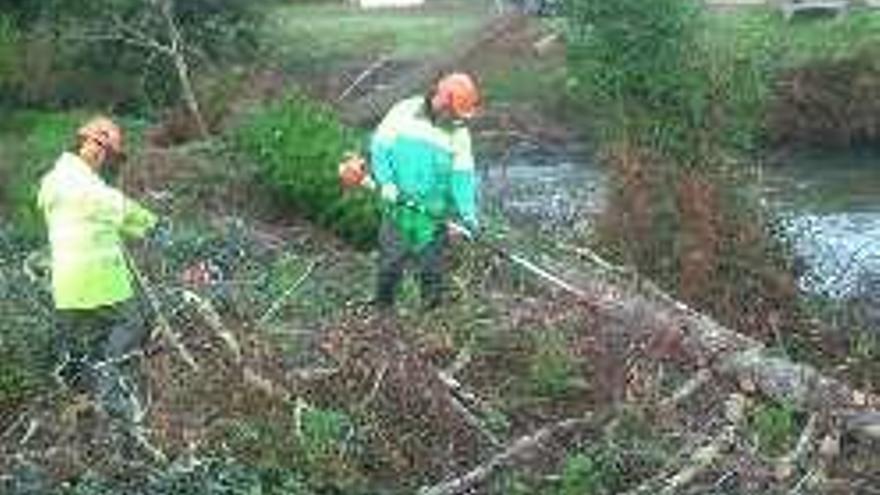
(828, 205)
(830, 208)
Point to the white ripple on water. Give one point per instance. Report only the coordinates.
(841, 251)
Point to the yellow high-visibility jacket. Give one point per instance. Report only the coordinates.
(87, 220)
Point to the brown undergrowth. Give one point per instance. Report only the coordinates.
(694, 233)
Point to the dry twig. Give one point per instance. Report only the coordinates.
(520, 447)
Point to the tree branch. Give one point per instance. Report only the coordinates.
(517, 449)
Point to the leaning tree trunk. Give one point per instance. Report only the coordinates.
(645, 313)
(180, 64)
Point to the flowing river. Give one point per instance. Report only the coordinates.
(828, 206)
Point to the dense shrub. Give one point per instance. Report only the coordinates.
(829, 103)
(298, 145)
(674, 107)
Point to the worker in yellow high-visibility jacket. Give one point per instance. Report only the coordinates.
(100, 324)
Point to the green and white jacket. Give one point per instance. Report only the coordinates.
(426, 164)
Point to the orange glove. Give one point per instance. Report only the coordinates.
(352, 171)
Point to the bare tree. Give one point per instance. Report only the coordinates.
(151, 25)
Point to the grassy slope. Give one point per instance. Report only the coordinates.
(799, 41)
(325, 33)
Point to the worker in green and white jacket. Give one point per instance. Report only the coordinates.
(423, 166)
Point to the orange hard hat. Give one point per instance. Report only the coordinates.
(103, 131)
(352, 171)
(458, 93)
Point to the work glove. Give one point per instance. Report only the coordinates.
(457, 231)
(389, 193)
(159, 237)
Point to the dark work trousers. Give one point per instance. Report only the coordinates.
(99, 350)
(394, 254)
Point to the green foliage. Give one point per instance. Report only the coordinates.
(311, 440)
(551, 367)
(63, 67)
(33, 140)
(807, 73)
(775, 427)
(631, 451)
(323, 433)
(691, 85)
(658, 76)
(298, 144)
(630, 63)
(591, 473)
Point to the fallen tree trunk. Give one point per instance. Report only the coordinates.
(644, 312)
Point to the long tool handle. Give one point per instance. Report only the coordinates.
(516, 259)
(156, 306)
(522, 262)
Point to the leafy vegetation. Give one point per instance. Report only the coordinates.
(675, 112)
(298, 143)
(79, 55)
(775, 428)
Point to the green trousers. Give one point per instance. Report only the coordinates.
(394, 254)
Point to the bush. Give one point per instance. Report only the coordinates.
(593, 472)
(774, 427)
(298, 144)
(61, 67)
(676, 104)
(829, 103)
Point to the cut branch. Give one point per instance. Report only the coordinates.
(689, 388)
(177, 48)
(702, 458)
(508, 457)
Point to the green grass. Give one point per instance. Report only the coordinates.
(774, 427)
(799, 41)
(323, 33)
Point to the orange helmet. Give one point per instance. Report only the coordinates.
(103, 131)
(458, 93)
